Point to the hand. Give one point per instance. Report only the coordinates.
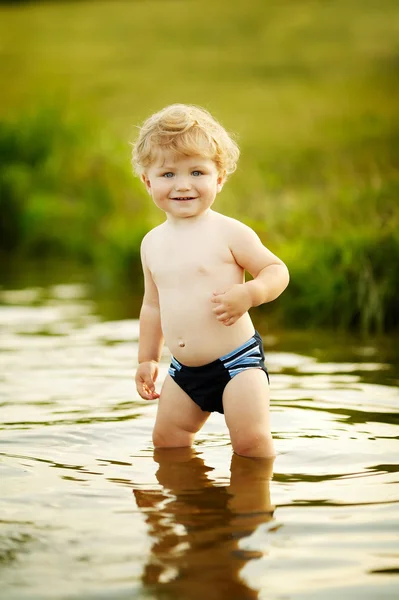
(146, 375)
(231, 304)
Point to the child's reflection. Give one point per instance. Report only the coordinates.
(197, 526)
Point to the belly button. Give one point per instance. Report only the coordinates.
(182, 344)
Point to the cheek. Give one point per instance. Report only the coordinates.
(160, 187)
(206, 186)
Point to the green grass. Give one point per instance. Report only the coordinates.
(67, 191)
(310, 88)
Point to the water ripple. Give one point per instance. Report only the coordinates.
(89, 510)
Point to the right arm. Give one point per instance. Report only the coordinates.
(151, 336)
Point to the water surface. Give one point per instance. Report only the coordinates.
(88, 510)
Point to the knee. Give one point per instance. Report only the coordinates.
(253, 444)
(158, 439)
(170, 439)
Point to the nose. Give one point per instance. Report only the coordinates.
(182, 184)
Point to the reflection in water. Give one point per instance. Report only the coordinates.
(74, 436)
(197, 526)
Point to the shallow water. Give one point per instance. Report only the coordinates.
(89, 511)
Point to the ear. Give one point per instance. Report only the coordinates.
(221, 180)
(146, 182)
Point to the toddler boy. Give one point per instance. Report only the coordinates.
(196, 298)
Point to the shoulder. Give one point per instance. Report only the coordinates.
(236, 231)
(149, 239)
(227, 223)
(152, 235)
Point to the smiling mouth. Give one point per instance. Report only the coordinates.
(184, 198)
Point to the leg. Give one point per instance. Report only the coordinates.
(246, 409)
(178, 417)
(249, 490)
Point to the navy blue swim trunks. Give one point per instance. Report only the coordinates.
(205, 384)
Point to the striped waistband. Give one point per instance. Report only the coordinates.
(250, 349)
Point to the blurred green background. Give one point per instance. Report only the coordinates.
(309, 87)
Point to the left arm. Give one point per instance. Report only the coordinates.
(270, 276)
(268, 284)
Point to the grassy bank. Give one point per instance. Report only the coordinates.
(309, 87)
(67, 191)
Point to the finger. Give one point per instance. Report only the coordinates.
(219, 310)
(217, 296)
(147, 394)
(149, 384)
(150, 388)
(229, 322)
(223, 317)
(151, 394)
(143, 394)
(145, 388)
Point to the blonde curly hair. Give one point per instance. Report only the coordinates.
(186, 130)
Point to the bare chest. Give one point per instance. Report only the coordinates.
(190, 261)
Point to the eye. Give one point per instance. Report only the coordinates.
(196, 173)
(168, 174)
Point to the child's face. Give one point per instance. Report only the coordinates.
(183, 186)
